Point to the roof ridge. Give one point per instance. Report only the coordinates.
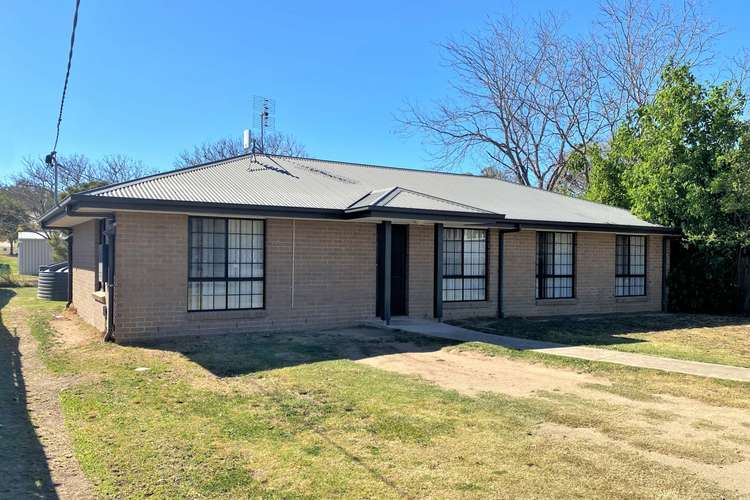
(445, 200)
(385, 192)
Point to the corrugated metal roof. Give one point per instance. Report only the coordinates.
(309, 183)
(412, 199)
(372, 198)
(31, 235)
(398, 197)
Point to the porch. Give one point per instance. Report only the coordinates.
(439, 271)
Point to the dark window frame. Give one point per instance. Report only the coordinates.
(541, 265)
(628, 274)
(226, 278)
(463, 277)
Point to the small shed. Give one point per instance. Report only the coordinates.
(34, 250)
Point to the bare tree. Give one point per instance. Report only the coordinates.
(34, 187)
(120, 168)
(738, 72)
(495, 173)
(527, 96)
(635, 39)
(13, 216)
(228, 147)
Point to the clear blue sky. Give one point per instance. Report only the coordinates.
(151, 78)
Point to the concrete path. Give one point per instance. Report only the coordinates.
(446, 331)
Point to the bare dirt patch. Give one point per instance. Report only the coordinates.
(473, 373)
(707, 441)
(735, 476)
(42, 402)
(72, 332)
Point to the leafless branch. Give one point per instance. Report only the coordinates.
(228, 147)
(526, 94)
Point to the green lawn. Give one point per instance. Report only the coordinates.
(11, 260)
(712, 339)
(291, 415)
(15, 278)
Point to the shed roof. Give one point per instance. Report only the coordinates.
(306, 183)
(31, 235)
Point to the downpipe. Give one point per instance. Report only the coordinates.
(109, 235)
(69, 242)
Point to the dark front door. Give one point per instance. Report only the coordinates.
(398, 271)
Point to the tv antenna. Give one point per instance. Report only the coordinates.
(264, 113)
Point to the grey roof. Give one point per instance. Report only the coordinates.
(31, 235)
(280, 181)
(398, 197)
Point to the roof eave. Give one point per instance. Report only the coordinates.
(140, 204)
(79, 201)
(423, 214)
(54, 214)
(596, 227)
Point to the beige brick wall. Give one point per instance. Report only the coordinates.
(84, 275)
(595, 278)
(421, 270)
(334, 278)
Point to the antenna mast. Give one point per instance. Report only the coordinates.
(264, 111)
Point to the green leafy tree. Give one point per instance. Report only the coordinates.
(59, 246)
(80, 187)
(13, 217)
(606, 176)
(576, 177)
(732, 187)
(682, 161)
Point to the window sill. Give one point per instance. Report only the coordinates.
(464, 304)
(556, 302)
(225, 315)
(635, 298)
(99, 296)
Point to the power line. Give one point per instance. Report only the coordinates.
(51, 158)
(67, 74)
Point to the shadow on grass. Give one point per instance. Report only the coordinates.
(597, 329)
(24, 471)
(241, 354)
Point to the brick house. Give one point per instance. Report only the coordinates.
(273, 243)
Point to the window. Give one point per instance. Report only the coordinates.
(464, 264)
(226, 258)
(630, 266)
(555, 265)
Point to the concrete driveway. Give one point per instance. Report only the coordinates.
(451, 332)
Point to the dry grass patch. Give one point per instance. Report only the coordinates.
(13, 279)
(291, 415)
(695, 337)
